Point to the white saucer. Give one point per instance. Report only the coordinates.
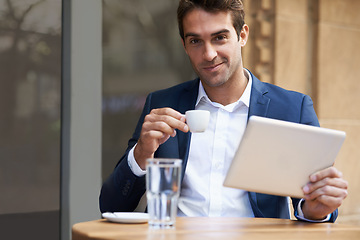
(126, 217)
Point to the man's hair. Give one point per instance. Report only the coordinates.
(236, 8)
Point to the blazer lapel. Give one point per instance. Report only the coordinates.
(259, 102)
(186, 102)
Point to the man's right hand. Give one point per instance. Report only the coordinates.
(159, 125)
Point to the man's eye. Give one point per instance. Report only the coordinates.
(193, 41)
(220, 38)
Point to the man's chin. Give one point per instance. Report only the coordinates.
(212, 82)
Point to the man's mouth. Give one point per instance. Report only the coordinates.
(213, 67)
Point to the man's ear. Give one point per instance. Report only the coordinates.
(244, 35)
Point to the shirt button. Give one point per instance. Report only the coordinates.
(218, 165)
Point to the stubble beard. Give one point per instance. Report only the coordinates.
(215, 79)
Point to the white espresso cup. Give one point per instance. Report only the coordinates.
(197, 120)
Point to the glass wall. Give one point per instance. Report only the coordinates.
(30, 70)
(142, 52)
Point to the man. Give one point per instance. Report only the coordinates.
(213, 34)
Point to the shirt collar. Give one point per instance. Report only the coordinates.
(245, 97)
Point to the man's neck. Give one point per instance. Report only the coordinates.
(229, 92)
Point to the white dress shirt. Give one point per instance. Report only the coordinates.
(210, 155)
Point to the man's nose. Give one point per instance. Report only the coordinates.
(209, 52)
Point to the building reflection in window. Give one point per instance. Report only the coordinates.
(142, 52)
(30, 73)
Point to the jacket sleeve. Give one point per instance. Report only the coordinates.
(122, 190)
(308, 116)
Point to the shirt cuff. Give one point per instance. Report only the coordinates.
(300, 215)
(134, 166)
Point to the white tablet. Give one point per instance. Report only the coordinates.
(277, 157)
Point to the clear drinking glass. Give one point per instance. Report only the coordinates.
(162, 191)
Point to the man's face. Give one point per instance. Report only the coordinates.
(211, 42)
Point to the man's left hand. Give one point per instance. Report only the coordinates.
(324, 193)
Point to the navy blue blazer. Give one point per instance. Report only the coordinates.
(122, 190)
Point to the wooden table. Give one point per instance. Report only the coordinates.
(217, 228)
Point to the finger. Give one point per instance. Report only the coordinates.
(330, 201)
(157, 129)
(172, 118)
(331, 172)
(329, 191)
(153, 134)
(335, 182)
(169, 112)
(163, 139)
(174, 123)
(147, 144)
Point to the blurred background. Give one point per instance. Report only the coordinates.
(311, 46)
(30, 96)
